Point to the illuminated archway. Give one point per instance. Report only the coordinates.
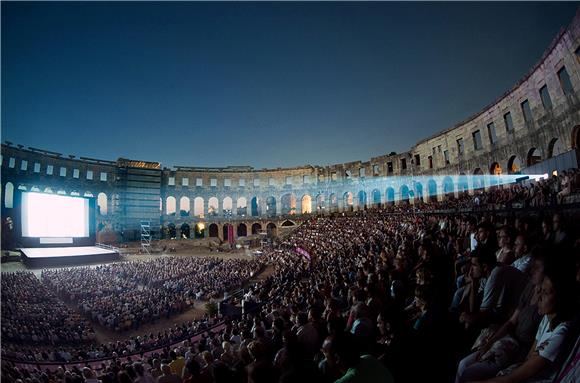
(9, 195)
(534, 156)
(362, 199)
(306, 204)
(288, 202)
(254, 207)
(390, 193)
(198, 207)
(555, 148)
(404, 190)
(212, 207)
(333, 202)
(376, 198)
(348, 201)
(102, 203)
(184, 206)
(514, 165)
(478, 182)
(242, 207)
(448, 187)
(199, 231)
(418, 192)
(227, 206)
(432, 190)
(320, 203)
(271, 206)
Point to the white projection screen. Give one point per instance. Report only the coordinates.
(54, 216)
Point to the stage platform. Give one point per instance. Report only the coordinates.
(58, 256)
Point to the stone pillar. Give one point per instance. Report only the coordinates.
(278, 206)
(234, 207)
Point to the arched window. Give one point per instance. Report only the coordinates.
(170, 206)
(102, 203)
(306, 204)
(198, 207)
(184, 206)
(9, 195)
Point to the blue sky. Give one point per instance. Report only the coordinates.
(259, 84)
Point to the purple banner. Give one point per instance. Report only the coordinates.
(303, 252)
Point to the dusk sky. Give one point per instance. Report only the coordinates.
(259, 84)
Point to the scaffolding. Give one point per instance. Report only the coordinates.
(145, 237)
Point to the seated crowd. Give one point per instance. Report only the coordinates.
(384, 297)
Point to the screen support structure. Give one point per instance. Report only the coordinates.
(145, 237)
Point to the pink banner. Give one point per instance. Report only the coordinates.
(303, 252)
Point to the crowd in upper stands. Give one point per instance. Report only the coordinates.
(382, 297)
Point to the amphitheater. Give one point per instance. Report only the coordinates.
(531, 133)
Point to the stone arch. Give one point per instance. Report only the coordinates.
(514, 165)
(333, 202)
(102, 203)
(9, 195)
(288, 223)
(534, 156)
(404, 190)
(37, 189)
(362, 199)
(185, 230)
(555, 147)
(256, 228)
(288, 202)
(212, 206)
(184, 206)
(171, 231)
(242, 230)
(49, 190)
(575, 140)
(271, 206)
(271, 230)
(390, 196)
(254, 207)
(306, 204)
(432, 190)
(226, 231)
(495, 171)
(213, 230)
(448, 187)
(198, 207)
(242, 207)
(418, 192)
(320, 203)
(478, 180)
(170, 205)
(348, 201)
(227, 206)
(377, 198)
(199, 230)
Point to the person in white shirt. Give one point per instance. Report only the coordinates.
(558, 305)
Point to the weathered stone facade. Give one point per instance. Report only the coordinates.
(507, 142)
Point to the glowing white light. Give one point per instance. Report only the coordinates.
(46, 215)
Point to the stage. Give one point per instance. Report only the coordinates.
(58, 256)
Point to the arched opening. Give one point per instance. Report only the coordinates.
(242, 230)
(333, 199)
(376, 198)
(514, 165)
(60, 191)
(184, 206)
(227, 229)
(320, 203)
(169, 205)
(102, 203)
(199, 231)
(418, 192)
(555, 148)
(534, 156)
(213, 230)
(254, 207)
(171, 231)
(271, 230)
(432, 190)
(288, 202)
(242, 207)
(448, 188)
(9, 195)
(212, 207)
(362, 199)
(478, 179)
(271, 206)
(48, 190)
(306, 204)
(89, 194)
(36, 189)
(227, 206)
(348, 201)
(495, 171)
(404, 190)
(256, 228)
(185, 231)
(390, 193)
(198, 207)
(576, 137)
